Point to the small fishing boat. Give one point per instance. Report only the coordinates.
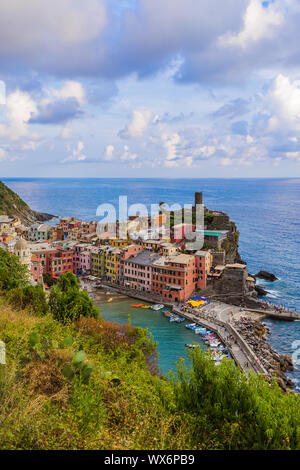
(180, 319)
(173, 318)
(137, 305)
(191, 326)
(200, 331)
(146, 306)
(157, 307)
(110, 300)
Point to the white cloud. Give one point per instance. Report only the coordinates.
(259, 23)
(127, 156)
(109, 152)
(170, 144)
(76, 153)
(19, 108)
(71, 89)
(138, 125)
(283, 101)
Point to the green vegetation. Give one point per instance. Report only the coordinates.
(67, 302)
(32, 297)
(11, 204)
(12, 272)
(74, 381)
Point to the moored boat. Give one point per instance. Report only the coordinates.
(157, 307)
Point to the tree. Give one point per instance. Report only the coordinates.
(67, 302)
(12, 273)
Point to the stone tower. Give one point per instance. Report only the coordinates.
(22, 251)
(198, 198)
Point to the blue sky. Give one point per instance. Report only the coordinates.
(150, 88)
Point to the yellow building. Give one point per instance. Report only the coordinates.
(98, 261)
(111, 257)
(119, 243)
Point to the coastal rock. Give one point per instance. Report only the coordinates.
(13, 206)
(266, 276)
(260, 291)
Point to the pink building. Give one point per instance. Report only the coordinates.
(82, 259)
(137, 271)
(36, 269)
(125, 253)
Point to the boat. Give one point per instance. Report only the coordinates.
(137, 306)
(199, 331)
(192, 346)
(180, 319)
(214, 344)
(157, 307)
(191, 326)
(146, 306)
(174, 318)
(110, 300)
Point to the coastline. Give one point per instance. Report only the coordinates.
(243, 334)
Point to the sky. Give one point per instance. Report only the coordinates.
(150, 88)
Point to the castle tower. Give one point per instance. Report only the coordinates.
(198, 198)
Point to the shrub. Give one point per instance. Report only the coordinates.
(32, 297)
(248, 412)
(12, 272)
(68, 303)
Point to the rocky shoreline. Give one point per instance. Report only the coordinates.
(276, 364)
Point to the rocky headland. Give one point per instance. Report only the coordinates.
(13, 206)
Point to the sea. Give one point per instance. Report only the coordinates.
(267, 215)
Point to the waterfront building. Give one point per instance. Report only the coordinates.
(125, 253)
(174, 278)
(137, 271)
(98, 261)
(110, 264)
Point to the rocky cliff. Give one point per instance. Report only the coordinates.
(12, 205)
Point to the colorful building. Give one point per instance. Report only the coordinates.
(203, 265)
(54, 260)
(82, 258)
(174, 278)
(137, 271)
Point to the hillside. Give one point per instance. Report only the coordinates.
(12, 205)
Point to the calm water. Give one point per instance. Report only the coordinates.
(171, 337)
(266, 211)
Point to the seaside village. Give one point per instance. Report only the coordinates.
(151, 260)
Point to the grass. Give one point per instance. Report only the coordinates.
(125, 404)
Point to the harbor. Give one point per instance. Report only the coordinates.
(225, 323)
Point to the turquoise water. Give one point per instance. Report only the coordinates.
(171, 337)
